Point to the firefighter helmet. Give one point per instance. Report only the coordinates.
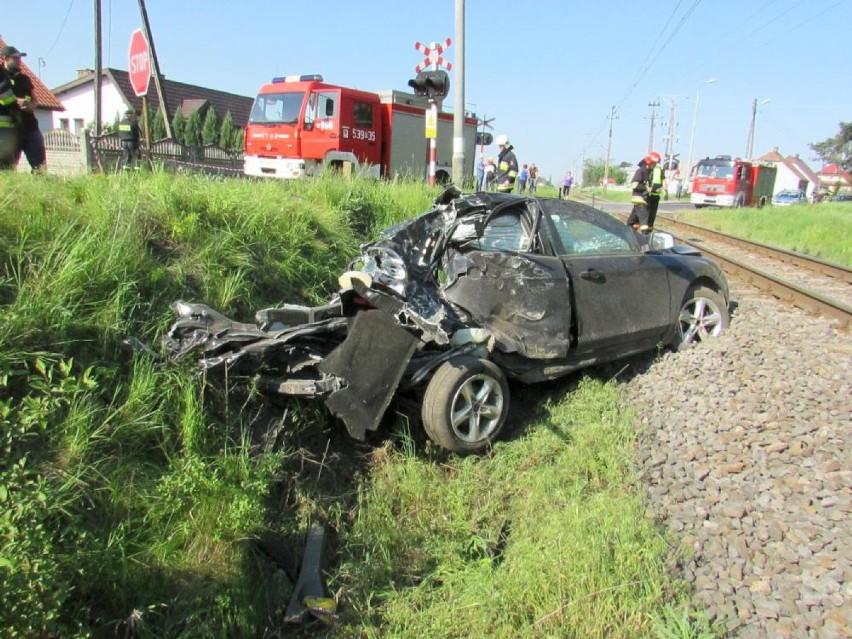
(655, 157)
(502, 140)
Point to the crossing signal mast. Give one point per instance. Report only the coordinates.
(434, 83)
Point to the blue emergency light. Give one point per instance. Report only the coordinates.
(314, 77)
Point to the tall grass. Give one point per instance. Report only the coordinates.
(131, 489)
(822, 230)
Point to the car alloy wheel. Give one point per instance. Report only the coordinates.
(703, 315)
(465, 404)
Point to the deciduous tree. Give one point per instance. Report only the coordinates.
(837, 150)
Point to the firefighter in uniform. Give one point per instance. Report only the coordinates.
(8, 122)
(30, 139)
(656, 186)
(507, 165)
(638, 218)
(130, 137)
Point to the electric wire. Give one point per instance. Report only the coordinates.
(61, 29)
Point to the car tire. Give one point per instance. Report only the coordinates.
(465, 404)
(703, 315)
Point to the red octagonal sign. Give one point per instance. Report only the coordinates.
(139, 65)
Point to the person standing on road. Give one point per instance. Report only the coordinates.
(507, 165)
(638, 217)
(567, 183)
(30, 139)
(656, 187)
(130, 137)
(523, 177)
(533, 183)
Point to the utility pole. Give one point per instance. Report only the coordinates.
(670, 139)
(458, 116)
(653, 106)
(98, 66)
(158, 82)
(750, 143)
(612, 117)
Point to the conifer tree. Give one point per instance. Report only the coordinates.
(226, 132)
(158, 126)
(192, 135)
(239, 137)
(210, 128)
(178, 126)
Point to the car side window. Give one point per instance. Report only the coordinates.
(583, 237)
(504, 232)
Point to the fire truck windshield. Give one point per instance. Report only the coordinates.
(721, 171)
(277, 108)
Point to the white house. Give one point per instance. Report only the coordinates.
(793, 173)
(117, 96)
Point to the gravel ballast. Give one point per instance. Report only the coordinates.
(745, 454)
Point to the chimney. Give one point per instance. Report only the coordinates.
(82, 73)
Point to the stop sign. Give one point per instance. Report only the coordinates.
(140, 67)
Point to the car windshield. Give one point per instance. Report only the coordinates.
(277, 108)
(722, 171)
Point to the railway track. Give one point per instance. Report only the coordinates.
(806, 282)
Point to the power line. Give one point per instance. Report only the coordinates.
(61, 29)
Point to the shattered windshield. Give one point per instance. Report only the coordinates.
(277, 108)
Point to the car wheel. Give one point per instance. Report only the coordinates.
(465, 404)
(703, 315)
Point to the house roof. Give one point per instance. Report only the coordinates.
(793, 162)
(772, 156)
(799, 166)
(43, 96)
(179, 95)
(832, 169)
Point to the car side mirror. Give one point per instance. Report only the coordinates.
(661, 241)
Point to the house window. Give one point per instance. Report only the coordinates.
(78, 125)
(64, 124)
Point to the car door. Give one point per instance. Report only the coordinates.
(509, 286)
(322, 124)
(621, 295)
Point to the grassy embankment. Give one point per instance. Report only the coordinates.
(822, 230)
(128, 493)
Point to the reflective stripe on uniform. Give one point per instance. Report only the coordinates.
(6, 122)
(125, 127)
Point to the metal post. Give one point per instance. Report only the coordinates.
(161, 94)
(98, 125)
(694, 125)
(653, 106)
(433, 145)
(608, 151)
(458, 117)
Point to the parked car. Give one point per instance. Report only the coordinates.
(842, 197)
(445, 307)
(788, 197)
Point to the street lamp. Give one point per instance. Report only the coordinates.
(694, 124)
(750, 143)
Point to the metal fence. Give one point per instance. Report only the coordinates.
(106, 153)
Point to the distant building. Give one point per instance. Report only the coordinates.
(832, 178)
(793, 173)
(117, 96)
(46, 102)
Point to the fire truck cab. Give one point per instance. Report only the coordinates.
(731, 182)
(300, 126)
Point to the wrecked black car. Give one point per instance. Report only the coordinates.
(447, 306)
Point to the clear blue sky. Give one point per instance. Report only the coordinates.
(548, 71)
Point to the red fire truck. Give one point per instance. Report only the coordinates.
(299, 126)
(723, 181)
